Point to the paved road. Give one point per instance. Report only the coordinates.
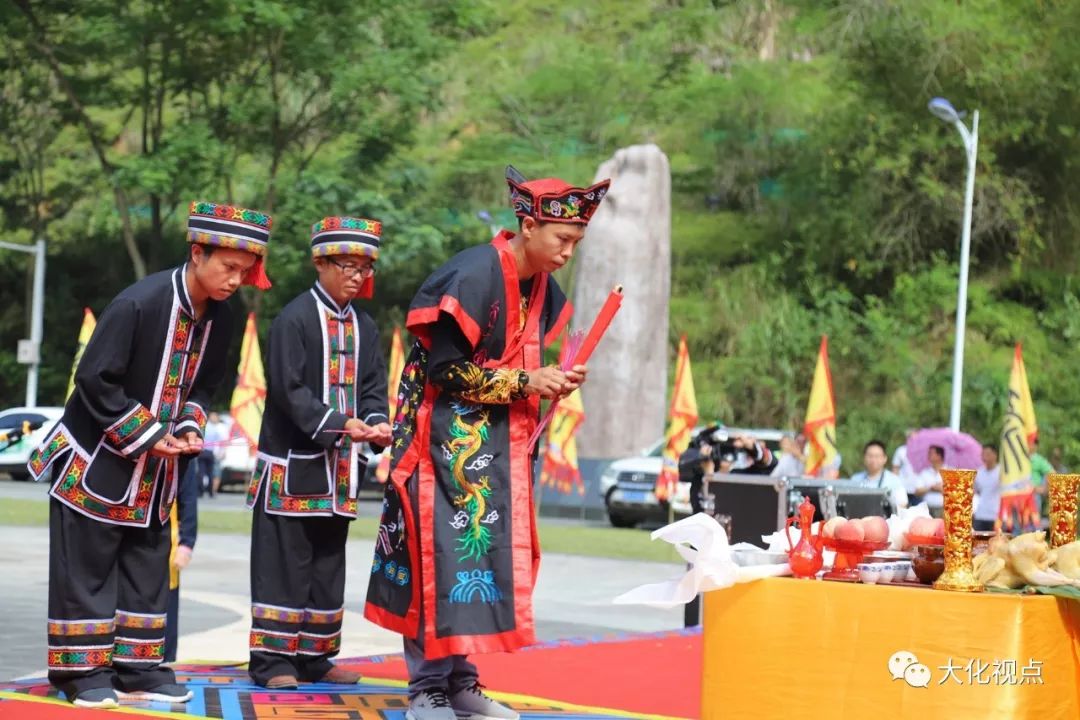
(572, 598)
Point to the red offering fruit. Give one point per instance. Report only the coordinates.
(831, 526)
(851, 531)
(922, 531)
(923, 526)
(875, 529)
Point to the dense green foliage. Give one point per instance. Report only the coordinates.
(813, 192)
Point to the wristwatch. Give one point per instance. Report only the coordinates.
(522, 383)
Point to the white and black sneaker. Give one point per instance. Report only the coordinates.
(104, 697)
(473, 704)
(430, 705)
(169, 693)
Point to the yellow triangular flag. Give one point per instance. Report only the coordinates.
(1019, 426)
(682, 418)
(87, 329)
(560, 469)
(820, 425)
(249, 396)
(397, 364)
(1017, 433)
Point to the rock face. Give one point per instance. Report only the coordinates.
(628, 243)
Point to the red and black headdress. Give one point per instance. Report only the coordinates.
(552, 199)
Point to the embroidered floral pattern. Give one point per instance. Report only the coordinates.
(142, 621)
(256, 481)
(312, 644)
(192, 412)
(342, 380)
(40, 458)
(230, 212)
(277, 500)
(79, 658)
(347, 223)
(132, 650)
(81, 627)
(232, 242)
(129, 427)
(275, 642)
(324, 617)
(279, 614)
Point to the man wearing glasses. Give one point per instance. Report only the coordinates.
(326, 392)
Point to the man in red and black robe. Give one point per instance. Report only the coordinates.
(457, 553)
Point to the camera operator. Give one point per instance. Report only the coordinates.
(713, 451)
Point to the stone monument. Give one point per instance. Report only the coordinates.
(628, 243)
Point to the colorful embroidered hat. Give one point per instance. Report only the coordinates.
(237, 228)
(339, 235)
(552, 199)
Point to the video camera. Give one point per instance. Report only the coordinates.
(711, 443)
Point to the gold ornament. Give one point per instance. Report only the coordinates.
(1062, 489)
(958, 489)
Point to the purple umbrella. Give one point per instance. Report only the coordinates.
(961, 450)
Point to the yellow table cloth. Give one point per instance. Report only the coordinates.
(793, 649)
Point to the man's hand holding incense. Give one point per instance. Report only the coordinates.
(191, 443)
(547, 382)
(360, 431)
(576, 376)
(383, 434)
(166, 447)
(551, 382)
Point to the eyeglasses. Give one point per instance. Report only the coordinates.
(352, 270)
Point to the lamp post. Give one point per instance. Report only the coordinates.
(32, 350)
(943, 110)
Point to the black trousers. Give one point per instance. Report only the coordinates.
(297, 594)
(108, 592)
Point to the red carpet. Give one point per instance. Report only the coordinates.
(30, 710)
(656, 674)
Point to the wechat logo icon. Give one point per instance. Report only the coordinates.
(903, 665)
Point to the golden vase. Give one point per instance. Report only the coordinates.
(958, 489)
(1062, 489)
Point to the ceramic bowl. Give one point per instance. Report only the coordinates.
(869, 573)
(887, 572)
(929, 563)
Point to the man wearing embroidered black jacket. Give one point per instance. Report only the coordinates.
(127, 433)
(457, 553)
(326, 392)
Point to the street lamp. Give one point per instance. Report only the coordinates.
(30, 352)
(944, 111)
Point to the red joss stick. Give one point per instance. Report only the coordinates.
(585, 351)
(599, 326)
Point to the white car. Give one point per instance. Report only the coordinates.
(15, 455)
(628, 485)
(237, 463)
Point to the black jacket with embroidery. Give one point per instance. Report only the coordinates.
(324, 367)
(149, 369)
